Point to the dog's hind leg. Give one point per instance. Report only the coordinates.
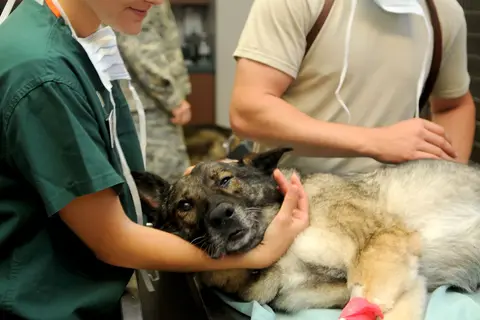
(411, 304)
(385, 271)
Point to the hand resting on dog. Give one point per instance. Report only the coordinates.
(99, 221)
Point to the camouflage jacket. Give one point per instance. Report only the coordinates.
(155, 61)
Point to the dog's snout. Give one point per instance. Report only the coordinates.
(220, 214)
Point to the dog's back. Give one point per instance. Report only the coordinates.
(438, 199)
(441, 200)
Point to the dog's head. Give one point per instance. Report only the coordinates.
(221, 207)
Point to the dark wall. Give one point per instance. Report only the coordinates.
(472, 13)
(4, 2)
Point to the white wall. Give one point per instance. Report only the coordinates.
(230, 18)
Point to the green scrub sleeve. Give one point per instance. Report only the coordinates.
(55, 140)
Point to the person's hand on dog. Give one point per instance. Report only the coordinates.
(182, 114)
(410, 140)
(292, 219)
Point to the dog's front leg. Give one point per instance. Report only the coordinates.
(385, 272)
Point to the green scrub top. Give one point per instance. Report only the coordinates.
(55, 146)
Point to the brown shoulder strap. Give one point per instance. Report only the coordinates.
(436, 56)
(322, 17)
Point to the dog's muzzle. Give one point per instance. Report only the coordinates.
(221, 220)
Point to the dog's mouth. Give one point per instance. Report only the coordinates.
(237, 235)
(239, 241)
(240, 235)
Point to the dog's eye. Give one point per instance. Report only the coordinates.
(225, 181)
(184, 205)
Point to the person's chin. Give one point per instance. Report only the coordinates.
(132, 28)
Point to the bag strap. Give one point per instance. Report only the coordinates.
(437, 54)
(322, 17)
(437, 44)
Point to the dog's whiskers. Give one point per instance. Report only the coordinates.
(203, 246)
(199, 239)
(253, 210)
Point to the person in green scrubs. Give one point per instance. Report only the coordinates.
(69, 238)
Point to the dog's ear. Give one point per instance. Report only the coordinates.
(266, 161)
(151, 188)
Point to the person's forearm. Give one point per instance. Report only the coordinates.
(273, 121)
(459, 124)
(147, 248)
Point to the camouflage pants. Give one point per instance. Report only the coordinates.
(166, 151)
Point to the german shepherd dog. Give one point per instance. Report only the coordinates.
(388, 236)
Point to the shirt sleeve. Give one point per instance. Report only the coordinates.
(55, 141)
(275, 34)
(148, 60)
(453, 78)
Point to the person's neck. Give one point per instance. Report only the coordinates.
(84, 21)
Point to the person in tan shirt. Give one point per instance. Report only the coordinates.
(281, 97)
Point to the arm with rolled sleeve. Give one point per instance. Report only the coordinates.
(269, 54)
(54, 139)
(452, 104)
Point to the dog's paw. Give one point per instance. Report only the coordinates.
(356, 291)
(384, 305)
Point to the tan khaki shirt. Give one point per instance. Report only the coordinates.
(386, 54)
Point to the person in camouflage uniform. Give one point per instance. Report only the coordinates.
(159, 74)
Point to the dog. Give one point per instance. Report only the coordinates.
(389, 235)
(208, 142)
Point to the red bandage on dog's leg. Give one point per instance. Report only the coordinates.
(361, 309)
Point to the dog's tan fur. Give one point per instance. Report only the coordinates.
(387, 236)
(208, 142)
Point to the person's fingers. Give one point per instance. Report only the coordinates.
(188, 170)
(302, 195)
(181, 120)
(296, 181)
(282, 182)
(185, 113)
(435, 151)
(176, 116)
(188, 116)
(179, 113)
(439, 131)
(289, 204)
(441, 143)
(447, 137)
(433, 127)
(425, 155)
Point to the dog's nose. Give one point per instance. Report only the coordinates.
(221, 214)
